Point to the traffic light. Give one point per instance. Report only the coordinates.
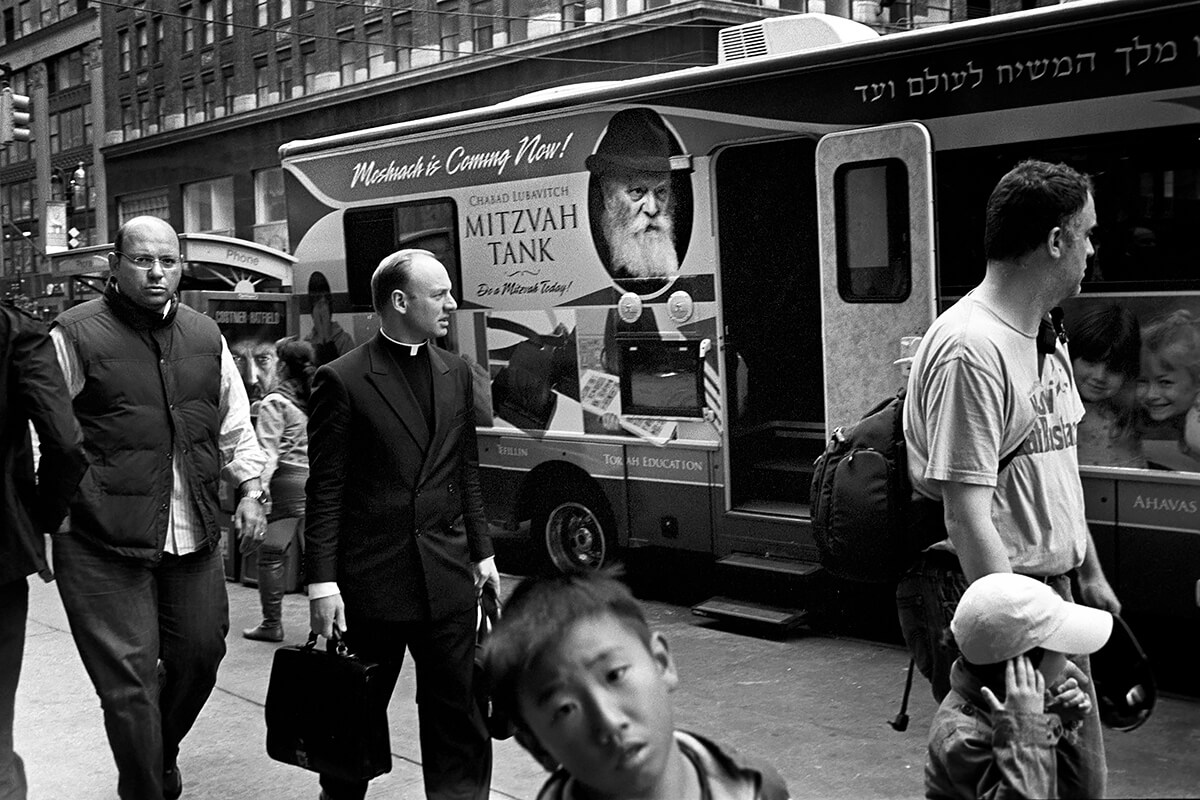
(14, 117)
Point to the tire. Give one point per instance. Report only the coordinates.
(573, 530)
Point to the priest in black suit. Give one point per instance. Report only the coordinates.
(396, 537)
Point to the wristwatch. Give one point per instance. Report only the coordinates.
(258, 495)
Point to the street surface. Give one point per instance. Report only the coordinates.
(815, 707)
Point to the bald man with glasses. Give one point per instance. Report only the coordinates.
(164, 416)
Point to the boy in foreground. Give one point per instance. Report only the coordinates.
(997, 733)
(587, 683)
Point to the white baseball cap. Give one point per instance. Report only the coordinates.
(1003, 615)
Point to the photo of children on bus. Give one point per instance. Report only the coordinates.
(1137, 367)
(640, 200)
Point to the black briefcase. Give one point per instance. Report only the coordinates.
(498, 724)
(327, 711)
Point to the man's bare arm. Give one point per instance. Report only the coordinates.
(969, 522)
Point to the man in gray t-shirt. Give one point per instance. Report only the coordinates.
(981, 388)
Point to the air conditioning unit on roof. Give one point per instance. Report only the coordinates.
(790, 34)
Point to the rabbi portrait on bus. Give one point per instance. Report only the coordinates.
(639, 199)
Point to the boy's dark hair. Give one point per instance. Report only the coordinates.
(1032, 198)
(1108, 335)
(537, 616)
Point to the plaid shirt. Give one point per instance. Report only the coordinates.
(241, 457)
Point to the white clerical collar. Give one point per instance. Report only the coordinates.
(413, 349)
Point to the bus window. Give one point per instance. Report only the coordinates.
(1147, 201)
(374, 233)
(874, 259)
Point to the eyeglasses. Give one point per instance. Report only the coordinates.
(146, 263)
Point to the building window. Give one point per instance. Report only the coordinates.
(977, 9)
(448, 29)
(262, 80)
(270, 210)
(152, 204)
(189, 29)
(224, 19)
(308, 65)
(145, 120)
(574, 13)
(26, 11)
(124, 50)
(159, 34)
(347, 55)
(228, 88)
(208, 96)
(143, 45)
(269, 205)
(191, 104)
(208, 207)
(378, 63)
(262, 16)
(160, 108)
(71, 128)
(286, 77)
(67, 71)
(515, 20)
(206, 26)
(285, 9)
(127, 125)
(481, 24)
(402, 40)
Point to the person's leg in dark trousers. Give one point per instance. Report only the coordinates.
(925, 600)
(382, 643)
(272, 554)
(14, 606)
(456, 751)
(112, 606)
(193, 618)
(1082, 758)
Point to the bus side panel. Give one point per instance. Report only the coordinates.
(670, 497)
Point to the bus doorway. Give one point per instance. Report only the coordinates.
(770, 298)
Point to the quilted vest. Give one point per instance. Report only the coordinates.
(147, 396)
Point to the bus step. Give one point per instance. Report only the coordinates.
(726, 609)
(795, 569)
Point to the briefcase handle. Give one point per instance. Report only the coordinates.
(489, 604)
(336, 644)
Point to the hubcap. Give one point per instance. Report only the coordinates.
(574, 537)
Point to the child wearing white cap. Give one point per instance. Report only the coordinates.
(997, 732)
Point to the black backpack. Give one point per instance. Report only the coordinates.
(865, 522)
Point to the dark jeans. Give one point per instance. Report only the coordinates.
(456, 752)
(14, 605)
(151, 637)
(926, 599)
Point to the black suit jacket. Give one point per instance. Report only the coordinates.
(34, 389)
(386, 495)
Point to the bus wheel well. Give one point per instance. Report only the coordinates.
(571, 524)
(544, 475)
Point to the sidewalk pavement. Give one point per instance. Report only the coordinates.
(817, 708)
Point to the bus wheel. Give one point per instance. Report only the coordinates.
(573, 533)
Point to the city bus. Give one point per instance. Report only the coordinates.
(673, 288)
